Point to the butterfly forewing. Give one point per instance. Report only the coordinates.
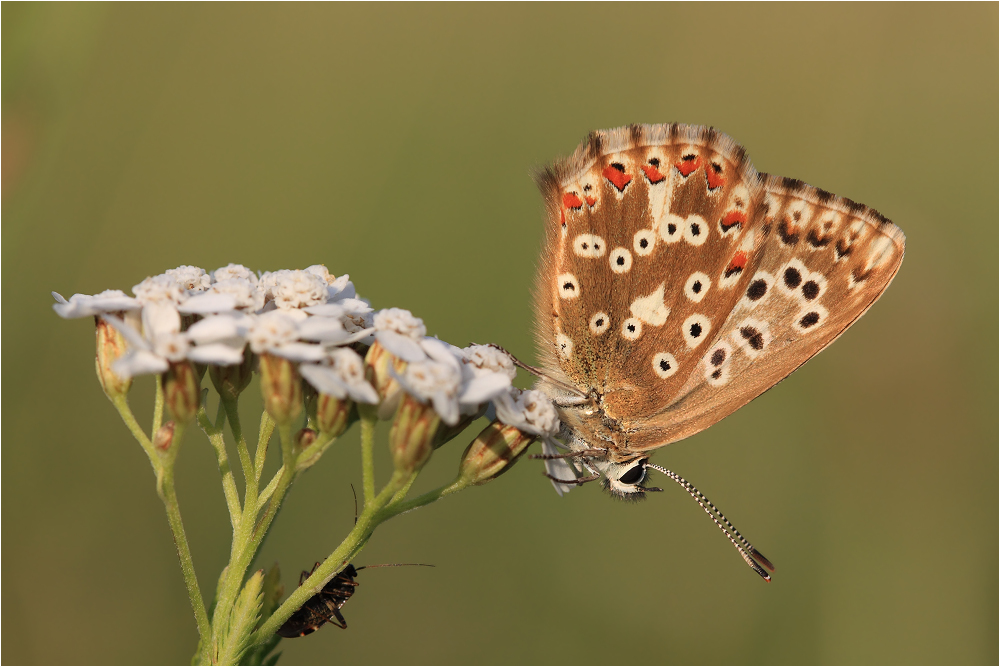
(663, 286)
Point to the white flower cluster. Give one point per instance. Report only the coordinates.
(186, 313)
(315, 319)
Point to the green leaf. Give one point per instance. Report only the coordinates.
(235, 634)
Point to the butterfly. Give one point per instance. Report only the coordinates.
(676, 285)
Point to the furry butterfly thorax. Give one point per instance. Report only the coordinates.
(677, 284)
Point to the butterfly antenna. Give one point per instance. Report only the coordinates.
(539, 373)
(371, 567)
(741, 543)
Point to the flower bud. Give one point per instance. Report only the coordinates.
(230, 381)
(304, 438)
(282, 388)
(378, 362)
(411, 438)
(333, 414)
(182, 391)
(493, 452)
(164, 437)
(110, 347)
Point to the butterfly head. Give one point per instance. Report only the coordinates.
(624, 480)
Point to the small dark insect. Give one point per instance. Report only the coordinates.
(325, 606)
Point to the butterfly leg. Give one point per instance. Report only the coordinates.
(340, 617)
(577, 482)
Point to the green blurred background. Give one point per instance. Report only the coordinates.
(394, 143)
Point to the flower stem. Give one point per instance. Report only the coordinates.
(169, 496)
(398, 507)
(263, 438)
(368, 458)
(158, 405)
(249, 470)
(352, 545)
(216, 438)
(121, 404)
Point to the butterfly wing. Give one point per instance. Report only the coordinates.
(659, 239)
(823, 261)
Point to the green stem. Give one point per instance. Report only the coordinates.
(264, 437)
(247, 540)
(355, 541)
(397, 507)
(169, 496)
(158, 405)
(249, 471)
(368, 458)
(121, 404)
(216, 437)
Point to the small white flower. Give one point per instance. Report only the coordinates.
(436, 382)
(219, 339)
(399, 332)
(298, 289)
(190, 278)
(341, 374)
(86, 305)
(159, 343)
(159, 289)
(243, 291)
(231, 271)
(530, 411)
(277, 332)
(483, 359)
(268, 280)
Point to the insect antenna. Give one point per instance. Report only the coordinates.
(355, 504)
(741, 543)
(370, 567)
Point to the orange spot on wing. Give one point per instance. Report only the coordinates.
(714, 179)
(590, 200)
(688, 167)
(732, 219)
(618, 178)
(737, 263)
(653, 174)
(571, 200)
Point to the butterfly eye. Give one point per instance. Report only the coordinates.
(633, 475)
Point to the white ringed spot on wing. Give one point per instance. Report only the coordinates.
(621, 260)
(631, 328)
(758, 290)
(664, 364)
(671, 228)
(565, 346)
(753, 336)
(569, 287)
(695, 330)
(791, 276)
(813, 287)
(695, 230)
(599, 323)
(589, 245)
(717, 364)
(644, 242)
(810, 318)
(697, 286)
